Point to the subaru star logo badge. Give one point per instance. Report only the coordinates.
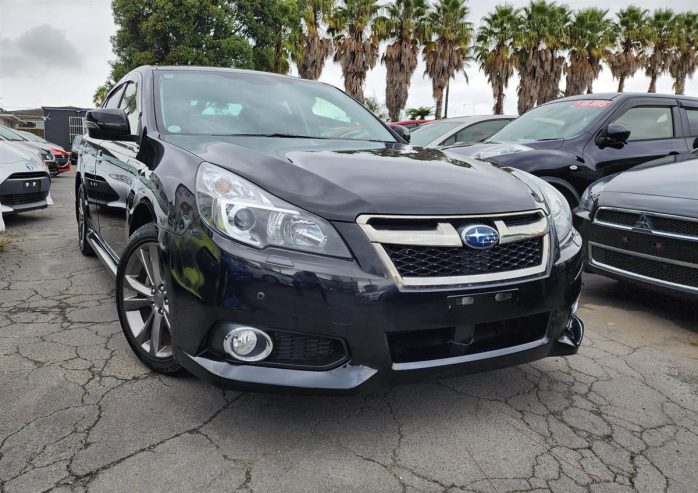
(644, 223)
(30, 166)
(479, 236)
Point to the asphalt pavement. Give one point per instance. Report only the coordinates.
(78, 412)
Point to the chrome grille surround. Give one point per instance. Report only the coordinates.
(444, 234)
(654, 230)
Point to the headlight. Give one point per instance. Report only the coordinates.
(559, 211)
(587, 201)
(244, 212)
(557, 205)
(48, 156)
(591, 194)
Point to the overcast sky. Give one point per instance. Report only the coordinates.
(57, 52)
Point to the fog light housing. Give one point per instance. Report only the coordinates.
(247, 344)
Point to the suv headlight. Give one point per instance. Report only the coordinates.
(246, 213)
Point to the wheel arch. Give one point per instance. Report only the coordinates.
(564, 187)
(142, 214)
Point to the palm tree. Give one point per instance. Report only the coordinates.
(629, 54)
(590, 35)
(404, 23)
(684, 59)
(660, 37)
(448, 52)
(313, 48)
(356, 47)
(538, 42)
(494, 49)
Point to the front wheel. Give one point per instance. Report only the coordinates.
(142, 301)
(81, 214)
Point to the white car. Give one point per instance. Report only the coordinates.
(458, 130)
(24, 179)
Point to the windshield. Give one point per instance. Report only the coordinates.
(32, 137)
(552, 121)
(426, 134)
(250, 104)
(10, 135)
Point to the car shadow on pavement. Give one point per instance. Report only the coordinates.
(626, 296)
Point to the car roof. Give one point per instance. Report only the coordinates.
(622, 96)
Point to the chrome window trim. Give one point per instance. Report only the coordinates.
(641, 277)
(650, 214)
(445, 237)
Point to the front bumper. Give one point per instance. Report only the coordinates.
(388, 335)
(19, 194)
(657, 262)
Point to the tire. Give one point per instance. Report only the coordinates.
(141, 301)
(82, 214)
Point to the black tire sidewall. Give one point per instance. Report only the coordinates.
(85, 248)
(147, 233)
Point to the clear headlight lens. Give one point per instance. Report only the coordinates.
(48, 156)
(244, 212)
(587, 201)
(557, 205)
(560, 212)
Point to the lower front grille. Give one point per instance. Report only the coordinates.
(423, 261)
(649, 222)
(665, 272)
(23, 198)
(433, 344)
(293, 349)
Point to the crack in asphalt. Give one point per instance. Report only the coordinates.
(621, 414)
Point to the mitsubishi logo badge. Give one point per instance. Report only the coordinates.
(644, 223)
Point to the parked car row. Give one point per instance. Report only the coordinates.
(55, 157)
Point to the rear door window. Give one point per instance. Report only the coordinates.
(692, 114)
(648, 122)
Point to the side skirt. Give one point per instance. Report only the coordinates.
(101, 252)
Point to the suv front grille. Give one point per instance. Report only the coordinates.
(427, 251)
(421, 261)
(653, 223)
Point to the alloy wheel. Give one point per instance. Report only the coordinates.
(82, 223)
(145, 302)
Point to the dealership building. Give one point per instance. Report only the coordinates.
(57, 124)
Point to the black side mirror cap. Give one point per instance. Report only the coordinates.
(615, 134)
(108, 124)
(402, 132)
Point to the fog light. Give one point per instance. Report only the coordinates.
(247, 344)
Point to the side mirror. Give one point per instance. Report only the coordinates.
(402, 132)
(616, 134)
(108, 124)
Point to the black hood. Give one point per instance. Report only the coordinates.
(677, 179)
(339, 180)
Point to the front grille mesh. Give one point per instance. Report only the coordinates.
(424, 261)
(675, 226)
(659, 224)
(621, 218)
(654, 269)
